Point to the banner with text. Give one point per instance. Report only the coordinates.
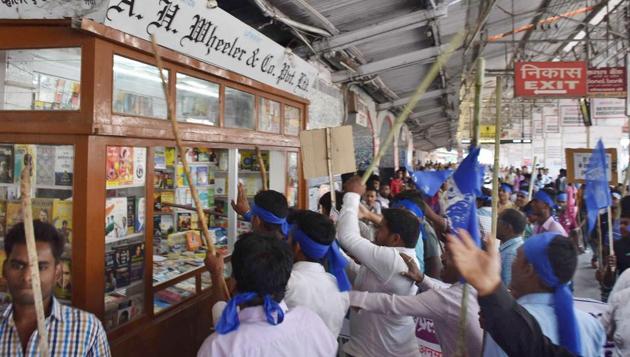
(606, 82)
(213, 36)
(550, 79)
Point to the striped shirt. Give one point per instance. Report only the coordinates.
(71, 332)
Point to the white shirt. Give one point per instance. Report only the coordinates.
(312, 287)
(374, 334)
(302, 333)
(616, 320)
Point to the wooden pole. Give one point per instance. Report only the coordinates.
(610, 233)
(333, 195)
(31, 247)
(600, 246)
(497, 151)
(422, 88)
(182, 150)
(263, 169)
(481, 69)
(531, 180)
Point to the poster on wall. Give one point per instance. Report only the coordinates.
(551, 119)
(537, 121)
(606, 82)
(608, 108)
(577, 161)
(569, 112)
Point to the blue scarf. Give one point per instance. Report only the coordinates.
(413, 208)
(313, 250)
(535, 249)
(544, 197)
(229, 318)
(268, 217)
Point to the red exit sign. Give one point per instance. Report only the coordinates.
(550, 79)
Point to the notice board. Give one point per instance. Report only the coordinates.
(577, 161)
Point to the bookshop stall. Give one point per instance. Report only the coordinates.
(86, 101)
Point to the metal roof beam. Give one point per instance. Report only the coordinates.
(433, 94)
(425, 113)
(393, 26)
(425, 55)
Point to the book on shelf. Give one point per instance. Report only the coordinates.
(139, 165)
(64, 165)
(122, 259)
(220, 188)
(176, 242)
(159, 158)
(190, 155)
(201, 175)
(63, 286)
(140, 214)
(137, 262)
(170, 155)
(6, 163)
(45, 165)
(193, 240)
(19, 152)
(184, 221)
(203, 198)
(110, 271)
(42, 209)
(116, 217)
(182, 181)
(166, 224)
(203, 154)
(14, 213)
(62, 218)
(120, 171)
(131, 214)
(248, 160)
(167, 197)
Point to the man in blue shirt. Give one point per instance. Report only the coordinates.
(540, 274)
(510, 227)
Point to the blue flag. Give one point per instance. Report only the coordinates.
(464, 187)
(597, 193)
(429, 182)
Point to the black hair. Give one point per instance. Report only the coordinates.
(274, 202)
(262, 263)
(515, 219)
(563, 258)
(370, 188)
(527, 209)
(404, 223)
(326, 202)
(625, 207)
(347, 176)
(317, 226)
(370, 182)
(44, 232)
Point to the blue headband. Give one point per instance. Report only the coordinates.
(535, 249)
(507, 188)
(270, 218)
(413, 208)
(229, 318)
(544, 197)
(524, 193)
(336, 261)
(562, 197)
(409, 205)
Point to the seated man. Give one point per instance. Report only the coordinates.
(256, 321)
(312, 237)
(440, 303)
(374, 334)
(267, 215)
(71, 332)
(540, 274)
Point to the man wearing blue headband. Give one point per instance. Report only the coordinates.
(521, 199)
(268, 214)
(312, 237)
(505, 192)
(373, 334)
(540, 274)
(256, 321)
(542, 205)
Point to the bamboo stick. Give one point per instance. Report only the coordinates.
(31, 246)
(610, 233)
(333, 195)
(497, 151)
(531, 180)
(481, 72)
(600, 245)
(420, 91)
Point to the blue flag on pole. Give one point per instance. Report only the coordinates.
(464, 187)
(429, 182)
(597, 195)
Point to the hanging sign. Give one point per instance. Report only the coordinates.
(577, 161)
(608, 108)
(213, 36)
(550, 79)
(606, 82)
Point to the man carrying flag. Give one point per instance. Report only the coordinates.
(597, 193)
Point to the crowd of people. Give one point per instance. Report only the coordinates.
(383, 253)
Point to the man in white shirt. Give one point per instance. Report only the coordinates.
(374, 334)
(263, 326)
(312, 237)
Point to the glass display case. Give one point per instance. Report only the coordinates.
(51, 183)
(138, 89)
(125, 235)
